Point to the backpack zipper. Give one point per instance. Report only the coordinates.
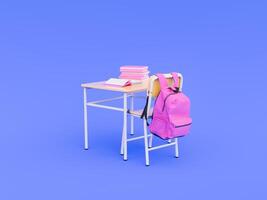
(183, 125)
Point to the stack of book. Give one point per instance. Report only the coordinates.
(134, 72)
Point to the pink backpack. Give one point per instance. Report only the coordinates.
(171, 114)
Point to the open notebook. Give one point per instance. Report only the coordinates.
(117, 82)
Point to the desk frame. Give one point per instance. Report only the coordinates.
(98, 104)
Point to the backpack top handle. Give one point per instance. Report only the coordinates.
(154, 85)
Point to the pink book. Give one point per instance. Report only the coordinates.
(134, 73)
(137, 69)
(134, 77)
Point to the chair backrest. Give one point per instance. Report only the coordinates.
(154, 86)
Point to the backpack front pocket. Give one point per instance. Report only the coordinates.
(180, 125)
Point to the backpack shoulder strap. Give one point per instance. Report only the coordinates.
(176, 79)
(144, 113)
(162, 81)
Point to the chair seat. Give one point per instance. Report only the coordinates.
(139, 112)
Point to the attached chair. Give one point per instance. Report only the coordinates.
(152, 93)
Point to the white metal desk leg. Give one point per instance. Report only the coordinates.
(125, 156)
(122, 140)
(132, 117)
(85, 119)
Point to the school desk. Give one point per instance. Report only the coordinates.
(127, 91)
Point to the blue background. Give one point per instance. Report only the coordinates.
(48, 48)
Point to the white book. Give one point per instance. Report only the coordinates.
(121, 82)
